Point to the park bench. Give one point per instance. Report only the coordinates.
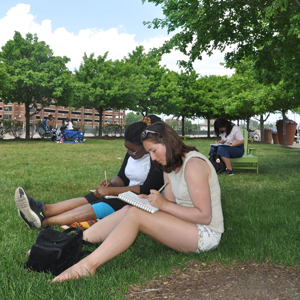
(248, 161)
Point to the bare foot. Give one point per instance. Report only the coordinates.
(75, 272)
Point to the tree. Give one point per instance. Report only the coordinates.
(186, 104)
(36, 75)
(283, 100)
(258, 99)
(105, 84)
(267, 31)
(244, 98)
(173, 123)
(157, 84)
(132, 117)
(4, 79)
(210, 104)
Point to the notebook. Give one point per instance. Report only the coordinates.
(134, 200)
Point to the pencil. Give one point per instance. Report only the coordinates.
(163, 187)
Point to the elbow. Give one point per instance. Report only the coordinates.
(207, 220)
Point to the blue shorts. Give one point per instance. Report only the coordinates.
(104, 207)
(102, 210)
(228, 152)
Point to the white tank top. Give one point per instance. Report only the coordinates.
(181, 192)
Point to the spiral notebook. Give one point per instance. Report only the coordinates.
(134, 199)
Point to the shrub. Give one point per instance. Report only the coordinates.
(112, 129)
(13, 127)
(2, 129)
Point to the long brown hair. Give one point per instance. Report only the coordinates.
(162, 133)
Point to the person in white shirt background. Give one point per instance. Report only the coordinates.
(232, 136)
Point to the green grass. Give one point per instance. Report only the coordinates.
(261, 213)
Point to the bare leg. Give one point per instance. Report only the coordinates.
(55, 209)
(78, 214)
(165, 228)
(227, 162)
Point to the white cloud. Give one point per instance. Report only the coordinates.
(94, 40)
(206, 66)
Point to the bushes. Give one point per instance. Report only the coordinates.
(112, 129)
(2, 129)
(12, 127)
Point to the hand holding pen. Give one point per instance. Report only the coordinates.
(155, 198)
(105, 182)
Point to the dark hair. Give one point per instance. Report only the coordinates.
(221, 122)
(175, 148)
(134, 130)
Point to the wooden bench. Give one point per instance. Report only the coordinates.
(249, 160)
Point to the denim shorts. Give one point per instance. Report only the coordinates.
(208, 239)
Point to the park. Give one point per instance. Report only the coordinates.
(261, 213)
(258, 257)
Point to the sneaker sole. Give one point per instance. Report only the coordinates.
(23, 205)
(27, 223)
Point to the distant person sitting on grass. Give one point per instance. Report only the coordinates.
(135, 175)
(189, 218)
(232, 136)
(68, 125)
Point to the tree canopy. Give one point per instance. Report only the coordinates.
(132, 117)
(105, 84)
(186, 104)
(36, 76)
(267, 31)
(156, 82)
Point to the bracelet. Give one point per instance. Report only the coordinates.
(230, 144)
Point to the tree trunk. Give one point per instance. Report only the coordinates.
(208, 127)
(284, 127)
(100, 111)
(262, 130)
(182, 126)
(27, 117)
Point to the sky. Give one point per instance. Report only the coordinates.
(71, 28)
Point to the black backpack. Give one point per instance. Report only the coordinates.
(217, 162)
(55, 251)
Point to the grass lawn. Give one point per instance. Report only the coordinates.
(261, 213)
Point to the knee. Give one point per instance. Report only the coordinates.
(126, 208)
(133, 212)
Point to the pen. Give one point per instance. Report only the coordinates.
(105, 177)
(163, 187)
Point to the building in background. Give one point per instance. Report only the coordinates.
(87, 116)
